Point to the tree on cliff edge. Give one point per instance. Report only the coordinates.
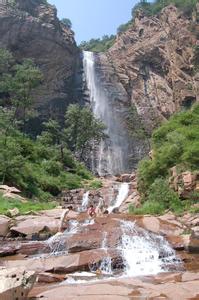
(67, 22)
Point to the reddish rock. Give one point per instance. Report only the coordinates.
(50, 278)
(32, 248)
(193, 246)
(163, 286)
(4, 225)
(9, 248)
(30, 225)
(64, 264)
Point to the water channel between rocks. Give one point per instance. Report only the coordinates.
(123, 249)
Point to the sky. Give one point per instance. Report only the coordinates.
(94, 18)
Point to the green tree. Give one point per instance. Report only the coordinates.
(67, 22)
(82, 130)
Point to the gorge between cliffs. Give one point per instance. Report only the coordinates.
(99, 194)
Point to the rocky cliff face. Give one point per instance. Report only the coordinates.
(153, 60)
(31, 29)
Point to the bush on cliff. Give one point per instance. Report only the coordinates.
(98, 45)
(175, 143)
(155, 7)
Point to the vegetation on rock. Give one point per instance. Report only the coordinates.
(28, 207)
(67, 22)
(152, 8)
(98, 45)
(175, 143)
(44, 166)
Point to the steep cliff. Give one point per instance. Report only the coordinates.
(31, 29)
(154, 62)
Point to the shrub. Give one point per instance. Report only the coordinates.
(67, 22)
(98, 45)
(173, 143)
(151, 208)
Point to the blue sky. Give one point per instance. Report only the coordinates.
(94, 18)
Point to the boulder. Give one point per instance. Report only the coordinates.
(189, 180)
(193, 246)
(9, 189)
(50, 278)
(31, 225)
(160, 226)
(4, 225)
(126, 177)
(16, 283)
(13, 212)
(32, 248)
(9, 248)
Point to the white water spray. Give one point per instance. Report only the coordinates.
(112, 154)
(145, 253)
(85, 201)
(122, 195)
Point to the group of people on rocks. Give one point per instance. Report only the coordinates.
(92, 212)
(100, 210)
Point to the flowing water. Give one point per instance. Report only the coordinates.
(122, 195)
(111, 156)
(145, 253)
(85, 201)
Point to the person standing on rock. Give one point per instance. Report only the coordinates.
(91, 211)
(64, 219)
(100, 208)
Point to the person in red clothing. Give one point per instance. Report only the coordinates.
(91, 211)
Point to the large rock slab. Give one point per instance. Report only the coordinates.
(36, 224)
(4, 225)
(162, 286)
(64, 263)
(16, 283)
(9, 248)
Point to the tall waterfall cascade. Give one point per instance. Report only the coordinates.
(112, 155)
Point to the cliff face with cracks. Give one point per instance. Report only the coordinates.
(153, 61)
(31, 29)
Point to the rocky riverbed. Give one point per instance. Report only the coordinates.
(113, 256)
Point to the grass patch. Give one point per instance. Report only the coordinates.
(92, 184)
(23, 207)
(148, 208)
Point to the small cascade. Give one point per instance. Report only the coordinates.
(104, 241)
(122, 195)
(105, 266)
(85, 201)
(145, 253)
(57, 243)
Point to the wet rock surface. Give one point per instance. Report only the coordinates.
(98, 252)
(163, 286)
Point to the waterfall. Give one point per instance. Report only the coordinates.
(145, 253)
(85, 201)
(112, 155)
(122, 195)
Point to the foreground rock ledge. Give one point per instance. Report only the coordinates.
(163, 286)
(16, 283)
